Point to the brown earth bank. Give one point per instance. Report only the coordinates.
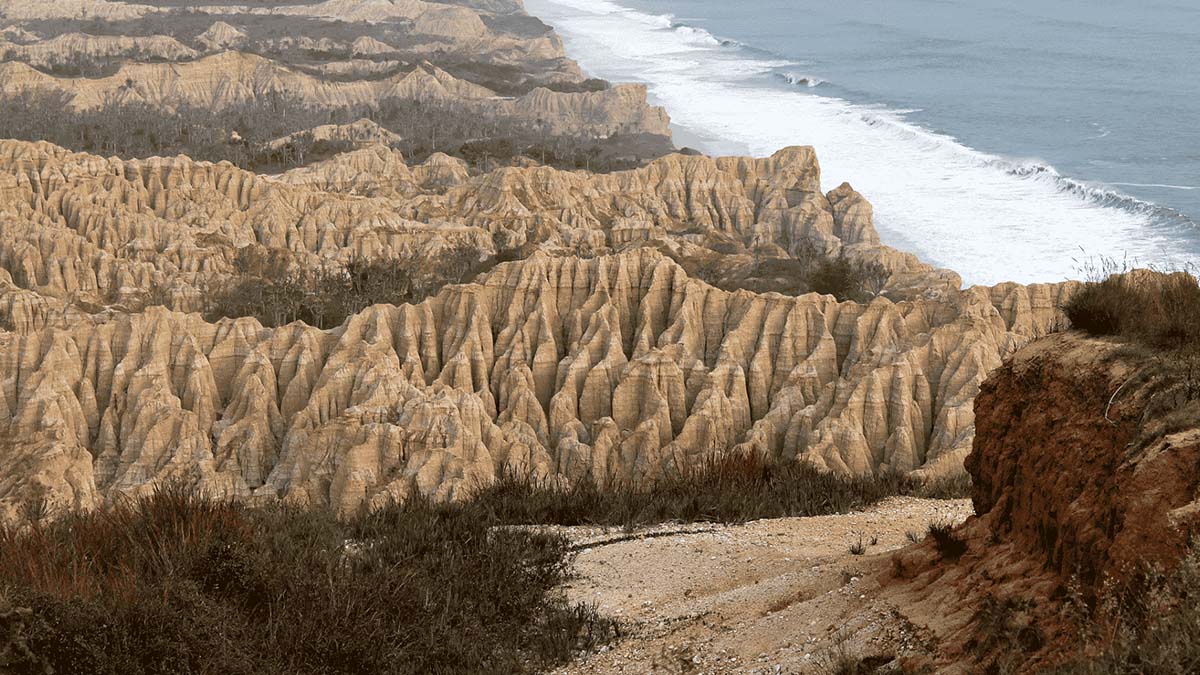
(1085, 471)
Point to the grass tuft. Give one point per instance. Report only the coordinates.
(948, 545)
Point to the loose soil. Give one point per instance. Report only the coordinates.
(770, 596)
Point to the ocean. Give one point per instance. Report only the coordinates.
(1008, 140)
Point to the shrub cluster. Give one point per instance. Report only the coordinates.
(177, 583)
(267, 288)
(1160, 310)
(846, 278)
(174, 583)
(808, 270)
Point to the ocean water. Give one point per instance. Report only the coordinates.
(1004, 139)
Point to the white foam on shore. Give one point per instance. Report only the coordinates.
(989, 218)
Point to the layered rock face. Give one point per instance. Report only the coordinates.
(597, 357)
(617, 367)
(102, 231)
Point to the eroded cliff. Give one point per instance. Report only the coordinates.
(1085, 477)
(613, 367)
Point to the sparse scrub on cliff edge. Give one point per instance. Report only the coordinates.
(1150, 629)
(174, 583)
(1157, 309)
(729, 488)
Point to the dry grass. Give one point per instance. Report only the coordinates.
(176, 583)
(1157, 309)
(1151, 628)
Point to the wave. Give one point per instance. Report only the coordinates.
(1160, 185)
(697, 36)
(801, 80)
(1096, 194)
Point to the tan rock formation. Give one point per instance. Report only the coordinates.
(221, 36)
(369, 46)
(233, 78)
(363, 132)
(68, 48)
(24, 10)
(95, 230)
(615, 367)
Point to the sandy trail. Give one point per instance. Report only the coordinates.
(770, 596)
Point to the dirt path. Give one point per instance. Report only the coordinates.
(771, 596)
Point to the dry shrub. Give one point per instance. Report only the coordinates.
(726, 487)
(1158, 309)
(1149, 627)
(948, 545)
(176, 583)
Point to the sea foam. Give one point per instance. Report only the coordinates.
(987, 217)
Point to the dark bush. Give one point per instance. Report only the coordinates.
(948, 545)
(267, 289)
(848, 279)
(178, 584)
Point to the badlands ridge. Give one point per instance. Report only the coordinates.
(599, 354)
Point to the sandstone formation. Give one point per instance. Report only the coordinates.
(221, 36)
(363, 133)
(611, 368)
(102, 231)
(72, 48)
